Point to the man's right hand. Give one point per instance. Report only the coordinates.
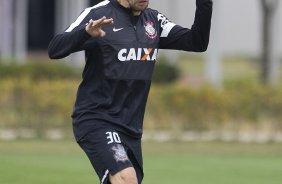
(94, 27)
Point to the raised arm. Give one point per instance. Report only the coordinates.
(79, 36)
(66, 43)
(195, 39)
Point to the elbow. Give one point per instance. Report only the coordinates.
(194, 41)
(206, 45)
(56, 50)
(204, 48)
(53, 53)
(202, 44)
(201, 47)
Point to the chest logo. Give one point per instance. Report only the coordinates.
(151, 32)
(116, 30)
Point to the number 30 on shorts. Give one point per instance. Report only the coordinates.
(113, 137)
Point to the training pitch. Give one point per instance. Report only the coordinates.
(45, 162)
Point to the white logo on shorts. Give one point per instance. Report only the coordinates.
(120, 154)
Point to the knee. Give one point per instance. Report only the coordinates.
(126, 176)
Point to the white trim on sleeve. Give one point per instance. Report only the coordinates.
(165, 24)
(84, 14)
(167, 28)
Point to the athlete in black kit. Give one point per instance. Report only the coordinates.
(121, 39)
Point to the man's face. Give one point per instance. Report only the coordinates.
(138, 5)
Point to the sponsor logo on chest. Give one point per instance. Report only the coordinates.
(138, 54)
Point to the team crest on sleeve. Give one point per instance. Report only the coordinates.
(151, 32)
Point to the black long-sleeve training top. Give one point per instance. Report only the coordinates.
(118, 70)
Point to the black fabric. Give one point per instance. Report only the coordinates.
(118, 70)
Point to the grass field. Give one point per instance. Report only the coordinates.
(47, 162)
(239, 68)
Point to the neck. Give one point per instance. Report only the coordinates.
(136, 13)
(126, 4)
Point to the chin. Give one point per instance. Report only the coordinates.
(143, 8)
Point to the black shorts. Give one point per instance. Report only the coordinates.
(110, 151)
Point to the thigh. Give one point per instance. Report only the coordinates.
(134, 152)
(126, 176)
(106, 152)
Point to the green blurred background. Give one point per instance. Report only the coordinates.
(211, 118)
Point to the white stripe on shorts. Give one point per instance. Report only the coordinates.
(105, 176)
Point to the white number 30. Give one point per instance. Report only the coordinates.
(113, 137)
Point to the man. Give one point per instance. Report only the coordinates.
(121, 39)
